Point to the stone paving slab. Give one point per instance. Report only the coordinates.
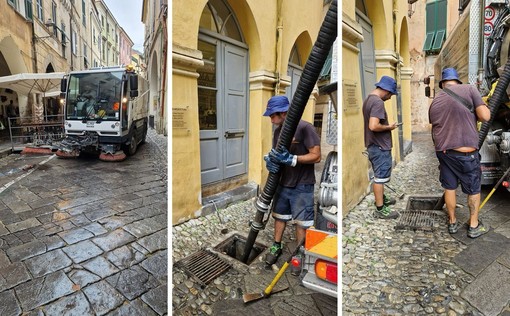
(103, 297)
(132, 282)
(156, 265)
(100, 266)
(8, 304)
(481, 254)
(25, 251)
(12, 275)
(75, 304)
(298, 305)
(75, 235)
(18, 226)
(237, 307)
(114, 239)
(157, 299)
(82, 251)
(155, 242)
(43, 290)
(489, 291)
(48, 262)
(82, 278)
(136, 307)
(327, 305)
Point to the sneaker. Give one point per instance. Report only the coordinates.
(274, 252)
(388, 200)
(386, 213)
(453, 228)
(477, 231)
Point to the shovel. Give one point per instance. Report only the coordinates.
(256, 296)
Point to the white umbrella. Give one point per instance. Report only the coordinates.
(26, 83)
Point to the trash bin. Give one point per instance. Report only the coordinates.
(151, 121)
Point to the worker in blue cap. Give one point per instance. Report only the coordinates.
(378, 143)
(293, 199)
(453, 114)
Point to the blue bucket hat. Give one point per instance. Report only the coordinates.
(449, 74)
(278, 103)
(387, 83)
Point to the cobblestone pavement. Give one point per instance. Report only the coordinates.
(84, 237)
(386, 271)
(223, 296)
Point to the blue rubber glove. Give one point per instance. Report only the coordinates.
(282, 156)
(271, 166)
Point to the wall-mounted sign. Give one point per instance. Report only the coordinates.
(350, 96)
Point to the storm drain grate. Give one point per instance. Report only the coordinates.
(203, 266)
(417, 220)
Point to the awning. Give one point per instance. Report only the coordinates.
(26, 83)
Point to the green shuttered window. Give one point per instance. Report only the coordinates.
(435, 27)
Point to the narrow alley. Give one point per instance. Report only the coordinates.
(395, 268)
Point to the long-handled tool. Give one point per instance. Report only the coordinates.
(494, 189)
(256, 296)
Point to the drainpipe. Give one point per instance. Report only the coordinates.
(163, 80)
(279, 45)
(34, 51)
(399, 85)
(325, 39)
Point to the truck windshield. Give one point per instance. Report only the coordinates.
(95, 96)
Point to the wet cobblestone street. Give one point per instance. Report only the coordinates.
(84, 237)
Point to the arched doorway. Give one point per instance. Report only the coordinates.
(294, 71)
(222, 95)
(367, 50)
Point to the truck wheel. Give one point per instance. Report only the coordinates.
(131, 149)
(144, 137)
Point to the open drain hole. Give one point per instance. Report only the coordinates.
(234, 248)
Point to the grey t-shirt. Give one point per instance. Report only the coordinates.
(374, 107)
(453, 125)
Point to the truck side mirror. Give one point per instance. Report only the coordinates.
(133, 82)
(427, 91)
(133, 93)
(63, 85)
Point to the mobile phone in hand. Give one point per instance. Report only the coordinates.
(399, 124)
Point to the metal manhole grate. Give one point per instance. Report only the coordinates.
(417, 220)
(203, 266)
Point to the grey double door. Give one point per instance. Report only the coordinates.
(223, 109)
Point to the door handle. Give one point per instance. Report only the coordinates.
(233, 134)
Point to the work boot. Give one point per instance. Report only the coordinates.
(388, 200)
(385, 213)
(274, 252)
(478, 230)
(453, 228)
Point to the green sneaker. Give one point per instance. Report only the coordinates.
(386, 213)
(274, 252)
(478, 230)
(388, 200)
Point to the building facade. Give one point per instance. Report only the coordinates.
(154, 16)
(375, 42)
(228, 59)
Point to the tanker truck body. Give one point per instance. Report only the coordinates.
(105, 112)
(478, 48)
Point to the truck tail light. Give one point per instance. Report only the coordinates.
(505, 184)
(326, 270)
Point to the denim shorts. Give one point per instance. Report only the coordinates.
(294, 203)
(463, 169)
(381, 163)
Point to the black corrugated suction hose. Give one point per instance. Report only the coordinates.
(310, 75)
(499, 96)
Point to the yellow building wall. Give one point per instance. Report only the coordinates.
(392, 59)
(268, 58)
